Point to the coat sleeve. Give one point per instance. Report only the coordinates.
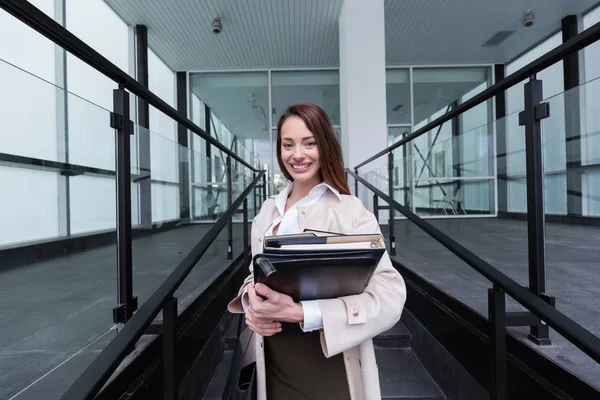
(348, 321)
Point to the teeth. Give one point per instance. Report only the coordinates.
(300, 167)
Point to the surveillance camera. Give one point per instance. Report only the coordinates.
(216, 25)
(528, 19)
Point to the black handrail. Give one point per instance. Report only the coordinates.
(89, 383)
(45, 25)
(585, 38)
(571, 330)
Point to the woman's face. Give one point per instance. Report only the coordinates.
(299, 151)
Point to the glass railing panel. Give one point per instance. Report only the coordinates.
(204, 189)
(570, 138)
(378, 177)
(161, 239)
(56, 312)
(30, 130)
(451, 197)
(211, 264)
(554, 156)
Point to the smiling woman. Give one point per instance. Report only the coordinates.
(319, 349)
(307, 148)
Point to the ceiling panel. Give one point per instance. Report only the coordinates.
(453, 32)
(255, 34)
(290, 33)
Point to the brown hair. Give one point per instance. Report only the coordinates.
(330, 151)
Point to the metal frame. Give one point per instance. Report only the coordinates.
(62, 125)
(120, 121)
(143, 118)
(93, 378)
(571, 330)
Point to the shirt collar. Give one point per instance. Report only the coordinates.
(281, 198)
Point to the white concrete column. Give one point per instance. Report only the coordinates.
(362, 82)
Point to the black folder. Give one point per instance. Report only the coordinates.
(310, 267)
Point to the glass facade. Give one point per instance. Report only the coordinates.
(449, 170)
(239, 103)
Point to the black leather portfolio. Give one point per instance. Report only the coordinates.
(310, 266)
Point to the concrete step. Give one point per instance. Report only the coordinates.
(396, 338)
(402, 376)
(217, 385)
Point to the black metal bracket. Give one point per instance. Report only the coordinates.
(70, 172)
(540, 111)
(116, 122)
(119, 316)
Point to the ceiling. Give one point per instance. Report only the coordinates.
(261, 34)
(453, 32)
(284, 33)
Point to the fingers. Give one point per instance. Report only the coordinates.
(263, 328)
(252, 297)
(267, 292)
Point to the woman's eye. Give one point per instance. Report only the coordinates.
(311, 143)
(287, 146)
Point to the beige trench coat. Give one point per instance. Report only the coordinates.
(349, 323)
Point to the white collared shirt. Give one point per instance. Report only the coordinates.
(289, 223)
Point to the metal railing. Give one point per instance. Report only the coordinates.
(121, 122)
(535, 299)
(569, 329)
(89, 383)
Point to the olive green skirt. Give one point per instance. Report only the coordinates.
(297, 369)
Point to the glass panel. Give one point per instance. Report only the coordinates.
(438, 90)
(402, 171)
(397, 133)
(240, 100)
(317, 87)
(156, 255)
(212, 263)
(454, 197)
(55, 312)
(590, 147)
(397, 87)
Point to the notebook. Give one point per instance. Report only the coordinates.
(318, 265)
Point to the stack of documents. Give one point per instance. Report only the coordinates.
(318, 265)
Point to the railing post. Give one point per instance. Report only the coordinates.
(497, 320)
(229, 202)
(376, 206)
(535, 111)
(254, 201)
(169, 337)
(246, 239)
(356, 182)
(390, 208)
(119, 120)
(264, 188)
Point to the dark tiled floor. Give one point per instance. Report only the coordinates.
(56, 315)
(573, 272)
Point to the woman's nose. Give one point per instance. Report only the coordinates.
(299, 154)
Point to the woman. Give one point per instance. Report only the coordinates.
(319, 349)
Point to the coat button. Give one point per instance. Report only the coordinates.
(303, 212)
(355, 313)
(260, 239)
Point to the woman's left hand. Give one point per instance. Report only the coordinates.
(276, 306)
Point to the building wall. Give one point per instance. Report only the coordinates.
(41, 119)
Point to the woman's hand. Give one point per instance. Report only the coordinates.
(264, 315)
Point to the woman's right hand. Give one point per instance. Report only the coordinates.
(255, 323)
